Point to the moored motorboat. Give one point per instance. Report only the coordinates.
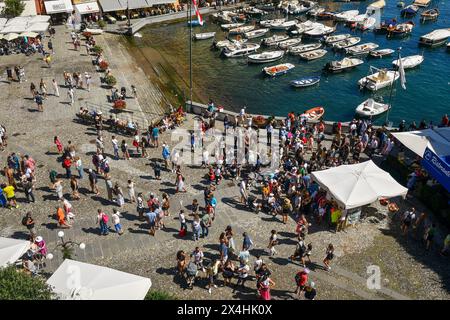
(267, 23)
(229, 43)
(204, 36)
(429, 15)
(279, 69)
(367, 24)
(422, 3)
(409, 62)
(229, 26)
(361, 49)
(346, 43)
(346, 15)
(283, 26)
(286, 44)
(241, 30)
(378, 80)
(435, 38)
(400, 30)
(313, 55)
(371, 108)
(339, 37)
(265, 57)
(304, 48)
(315, 11)
(342, 65)
(274, 40)
(381, 53)
(302, 27)
(385, 26)
(241, 50)
(326, 15)
(409, 11)
(320, 31)
(255, 33)
(314, 113)
(305, 82)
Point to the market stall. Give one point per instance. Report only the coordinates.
(74, 280)
(59, 10)
(11, 250)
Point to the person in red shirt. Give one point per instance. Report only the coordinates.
(67, 163)
(445, 121)
(301, 279)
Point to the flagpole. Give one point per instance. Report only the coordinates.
(190, 53)
(392, 88)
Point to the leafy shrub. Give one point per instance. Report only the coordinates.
(159, 295)
(101, 24)
(110, 80)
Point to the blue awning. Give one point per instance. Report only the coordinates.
(437, 167)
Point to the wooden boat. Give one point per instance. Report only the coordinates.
(305, 82)
(255, 33)
(326, 15)
(314, 113)
(228, 26)
(435, 38)
(240, 51)
(430, 15)
(422, 3)
(346, 43)
(339, 37)
(315, 11)
(361, 49)
(265, 57)
(267, 23)
(298, 9)
(313, 55)
(381, 53)
(385, 26)
(346, 15)
(378, 80)
(371, 108)
(286, 44)
(241, 30)
(409, 62)
(400, 30)
(409, 11)
(380, 4)
(342, 65)
(304, 48)
(278, 69)
(204, 36)
(274, 40)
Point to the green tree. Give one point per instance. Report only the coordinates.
(13, 8)
(17, 285)
(159, 295)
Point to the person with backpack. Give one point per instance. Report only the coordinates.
(102, 220)
(408, 218)
(301, 280)
(28, 222)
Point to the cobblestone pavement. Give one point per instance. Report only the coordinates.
(407, 270)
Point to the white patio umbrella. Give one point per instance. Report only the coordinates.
(11, 36)
(356, 185)
(29, 34)
(11, 250)
(74, 280)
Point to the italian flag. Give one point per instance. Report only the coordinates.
(197, 12)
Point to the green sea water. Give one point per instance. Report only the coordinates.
(233, 83)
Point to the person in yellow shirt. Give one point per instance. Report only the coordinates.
(8, 190)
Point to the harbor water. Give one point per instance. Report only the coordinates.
(233, 83)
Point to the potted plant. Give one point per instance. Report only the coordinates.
(120, 104)
(103, 65)
(101, 24)
(97, 49)
(110, 80)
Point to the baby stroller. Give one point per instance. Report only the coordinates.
(191, 274)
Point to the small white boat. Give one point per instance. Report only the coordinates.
(204, 36)
(241, 30)
(360, 49)
(298, 9)
(378, 80)
(367, 24)
(371, 108)
(240, 51)
(304, 48)
(435, 38)
(93, 31)
(229, 43)
(265, 57)
(339, 37)
(267, 23)
(346, 15)
(409, 62)
(255, 33)
(313, 55)
(283, 26)
(286, 44)
(429, 15)
(358, 18)
(300, 28)
(320, 31)
(274, 40)
(381, 53)
(278, 69)
(346, 43)
(342, 65)
(305, 82)
(315, 11)
(229, 26)
(378, 4)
